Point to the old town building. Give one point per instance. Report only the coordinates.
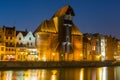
(20, 45)
(2, 44)
(111, 47)
(9, 34)
(99, 47)
(25, 46)
(91, 46)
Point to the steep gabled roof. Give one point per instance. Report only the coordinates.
(24, 33)
(65, 10)
(46, 26)
(75, 30)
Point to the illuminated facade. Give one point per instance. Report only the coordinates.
(87, 46)
(117, 55)
(91, 46)
(9, 34)
(118, 47)
(25, 46)
(20, 45)
(58, 39)
(17, 45)
(111, 47)
(99, 47)
(2, 44)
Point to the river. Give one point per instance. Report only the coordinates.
(100, 73)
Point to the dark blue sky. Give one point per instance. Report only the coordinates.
(91, 16)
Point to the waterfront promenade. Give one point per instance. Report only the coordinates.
(50, 64)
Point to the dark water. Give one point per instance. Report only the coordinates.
(101, 73)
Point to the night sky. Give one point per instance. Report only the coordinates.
(91, 16)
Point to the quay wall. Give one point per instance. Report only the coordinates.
(63, 64)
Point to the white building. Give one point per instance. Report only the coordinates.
(103, 47)
(20, 45)
(25, 46)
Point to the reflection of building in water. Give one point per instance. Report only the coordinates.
(117, 73)
(61, 74)
(58, 38)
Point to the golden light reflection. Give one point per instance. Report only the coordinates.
(82, 74)
(104, 73)
(99, 73)
(54, 72)
(54, 76)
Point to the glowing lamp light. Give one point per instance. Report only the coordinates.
(44, 58)
(81, 54)
(53, 54)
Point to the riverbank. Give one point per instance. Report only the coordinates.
(50, 64)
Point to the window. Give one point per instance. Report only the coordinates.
(27, 43)
(10, 44)
(17, 43)
(2, 48)
(12, 49)
(6, 37)
(19, 38)
(29, 38)
(10, 38)
(6, 43)
(10, 32)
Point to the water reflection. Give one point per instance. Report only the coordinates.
(101, 73)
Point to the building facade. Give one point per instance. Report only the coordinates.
(25, 46)
(2, 44)
(9, 34)
(17, 45)
(99, 47)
